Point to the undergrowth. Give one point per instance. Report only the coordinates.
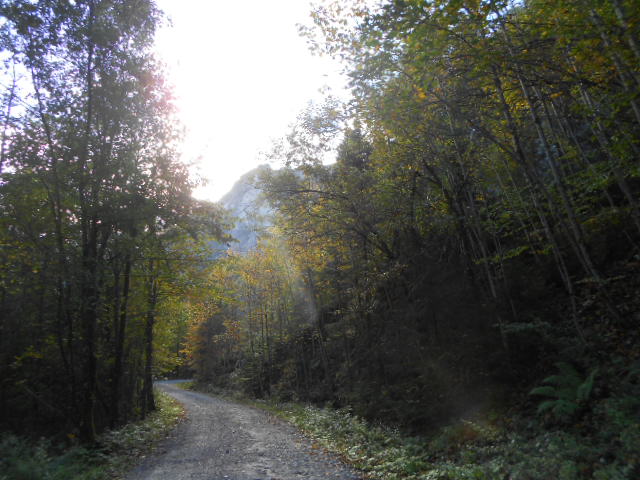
(602, 442)
(117, 450)
(479, 450)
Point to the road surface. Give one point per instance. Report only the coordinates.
(222, 440)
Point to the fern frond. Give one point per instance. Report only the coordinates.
(569, 373)
(564, 409)
(546, 405)
(546, 390)
(584, 390)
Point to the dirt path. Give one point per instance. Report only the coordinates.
(223, 440)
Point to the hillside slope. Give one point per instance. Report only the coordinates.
(250, 212)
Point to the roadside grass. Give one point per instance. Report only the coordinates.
(604, 445)
(472, 450)
(188, 385)
(116, 453)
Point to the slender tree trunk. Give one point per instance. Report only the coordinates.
(121, 312)
(619, 10)
(628, 79)
(148, 401)
(89, 293)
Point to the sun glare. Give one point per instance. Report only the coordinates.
(242, 74)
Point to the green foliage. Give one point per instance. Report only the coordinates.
(568, 392)
(22, 459)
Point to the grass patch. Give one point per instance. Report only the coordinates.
(118, 450)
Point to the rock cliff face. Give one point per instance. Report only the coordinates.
(252, 215)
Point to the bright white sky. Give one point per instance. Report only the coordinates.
(242, 74)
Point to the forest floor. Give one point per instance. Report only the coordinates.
(221, 440)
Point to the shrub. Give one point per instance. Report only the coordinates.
(568, 391)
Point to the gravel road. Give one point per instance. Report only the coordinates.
(222, 440)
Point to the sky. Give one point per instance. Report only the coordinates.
(241, 74)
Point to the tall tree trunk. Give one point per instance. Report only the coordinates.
(89, 293)
(148, 401)
(121, 312)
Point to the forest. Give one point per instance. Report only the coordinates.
(96, 211)
(473, 252)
